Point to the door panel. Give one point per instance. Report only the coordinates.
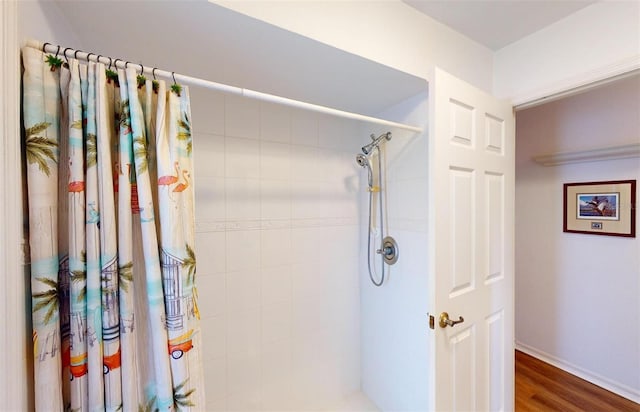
(472, 192)
(462, 184)
(495, 133)
(462, 123)
(494, 244)
(463, 356)
(495, 369)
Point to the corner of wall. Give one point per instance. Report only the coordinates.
(596, 379)
(14, 393)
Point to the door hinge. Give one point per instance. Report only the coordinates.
(432, 322)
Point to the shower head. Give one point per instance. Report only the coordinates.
(376, 142)
(364, 161)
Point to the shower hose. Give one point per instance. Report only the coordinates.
(371, 231)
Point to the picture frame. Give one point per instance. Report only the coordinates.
(600, 208)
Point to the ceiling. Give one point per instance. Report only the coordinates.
(497, 23)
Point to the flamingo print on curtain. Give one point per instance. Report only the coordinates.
(108, 155)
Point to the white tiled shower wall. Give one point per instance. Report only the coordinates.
(277, 221)
(393, 321)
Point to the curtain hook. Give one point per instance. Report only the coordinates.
(153, 73)
(99, 57)
(65, 54)
(57, 51)
(44, 46)
(141, 69)
(75, 54)
(110, 61)
(176, 88)
(126, 65)
(115, 63)
(89, 56)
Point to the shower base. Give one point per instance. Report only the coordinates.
(356, 402)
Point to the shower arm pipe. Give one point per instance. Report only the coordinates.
(207, 84)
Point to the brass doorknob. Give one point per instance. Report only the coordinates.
(445, 321)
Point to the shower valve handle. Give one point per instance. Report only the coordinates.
(386, 251)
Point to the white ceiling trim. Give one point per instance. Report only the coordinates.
(578, 84)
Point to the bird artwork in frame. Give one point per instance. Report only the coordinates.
(600, 208)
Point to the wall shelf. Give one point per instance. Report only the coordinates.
(593, 155)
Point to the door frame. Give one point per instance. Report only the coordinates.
(14, 376)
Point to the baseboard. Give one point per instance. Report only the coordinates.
(606, 383)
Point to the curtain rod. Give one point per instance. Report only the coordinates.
(68, 52)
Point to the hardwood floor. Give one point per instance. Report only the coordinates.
(542, 387)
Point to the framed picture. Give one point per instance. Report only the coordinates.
(601, 208)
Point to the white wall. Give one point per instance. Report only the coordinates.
(394, 345)
(278, 247)
(388, 32)
(577, 295)
(43, 21)
(13, 374)
(597, 42)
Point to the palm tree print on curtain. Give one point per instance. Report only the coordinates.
(39, 149)
(46, 301)
(176, 198)
(112, 257)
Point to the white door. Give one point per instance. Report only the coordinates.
(472, 141)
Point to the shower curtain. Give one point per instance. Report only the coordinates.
(111, 237)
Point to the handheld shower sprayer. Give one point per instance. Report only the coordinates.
(365, 161)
